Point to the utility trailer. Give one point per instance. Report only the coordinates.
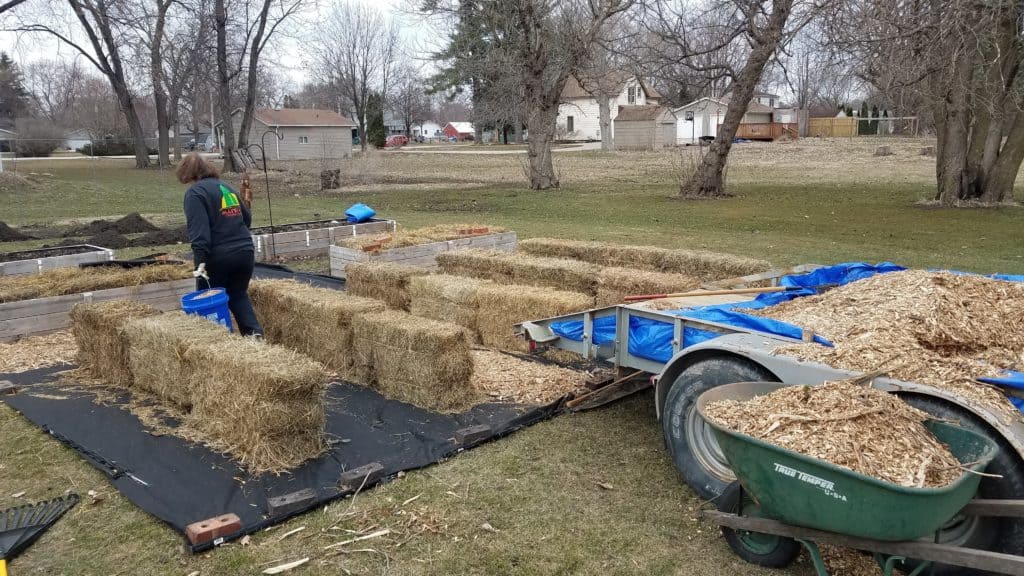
(740, 354)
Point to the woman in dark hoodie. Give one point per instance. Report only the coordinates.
(218, 228)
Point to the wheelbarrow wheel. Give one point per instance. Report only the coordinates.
(766, 550)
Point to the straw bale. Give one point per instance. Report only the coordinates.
(503, 377)
(102, 345)
(502, 306)
(506, 268)
(156, 353)
(446, 299)
(37, 352)
(847, 424)
(416, 236)
(260, 403)
(933, 328)
(416, 360)
(62, 281)
(702, 264)
(615, 283)
(314, 321)
(382, 281)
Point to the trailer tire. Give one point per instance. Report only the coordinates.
(766, 550)
(1004, 535)
(689, 440)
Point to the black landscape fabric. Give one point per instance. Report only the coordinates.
(182, 483)
(279, 272)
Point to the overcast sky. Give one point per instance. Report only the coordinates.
(419, 36)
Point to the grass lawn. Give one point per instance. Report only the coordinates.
(532, 503)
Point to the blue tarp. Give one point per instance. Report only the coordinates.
(1010, 379)
(652, 339)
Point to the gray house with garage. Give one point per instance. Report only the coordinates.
(298, 133)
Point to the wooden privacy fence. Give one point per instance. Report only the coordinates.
(766, 131)
(831, 127)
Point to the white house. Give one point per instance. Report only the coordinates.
(303, 133)
(427, 130)
(579, 116)
(702, 117)
(78, 138)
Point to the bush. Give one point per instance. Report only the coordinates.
(107, 148)
(37, 137)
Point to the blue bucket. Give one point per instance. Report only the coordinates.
(359, 212)
(214, 308)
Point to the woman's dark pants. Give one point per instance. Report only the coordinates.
(232, 272)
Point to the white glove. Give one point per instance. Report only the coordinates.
(200, 272)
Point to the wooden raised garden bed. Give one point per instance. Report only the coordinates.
(310, 238)
(422, 255)
(39, 315)
(43, 259)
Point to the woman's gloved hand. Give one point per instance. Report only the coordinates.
(200, 272)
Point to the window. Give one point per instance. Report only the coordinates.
(569, 124)
(632, 96)
(303, 139)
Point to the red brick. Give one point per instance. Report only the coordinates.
(212, 528)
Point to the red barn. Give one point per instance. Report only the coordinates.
(459, 130)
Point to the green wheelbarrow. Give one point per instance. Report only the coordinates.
(783, 500)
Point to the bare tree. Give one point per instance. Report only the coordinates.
(354, 55)
(104, 26)
(601, 76)
(9, 5)
(736, 41)
(56, 87)
(409, 100)
(539, 43)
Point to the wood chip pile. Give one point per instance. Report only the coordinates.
(37, 352)
(503, 377)
(933, 328)
(383, 281)
(314, 321)
(697, 263)
(849, 425)
(418, 236)
(413, 359)
(64, 281)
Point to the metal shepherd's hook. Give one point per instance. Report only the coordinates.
(266, 178)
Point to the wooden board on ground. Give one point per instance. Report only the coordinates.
(40, 315)
(88, 254)
(422, 255)
(313, 242)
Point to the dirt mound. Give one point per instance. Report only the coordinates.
(108, 240)
(130, 224)
(161, 237)
(8, 234)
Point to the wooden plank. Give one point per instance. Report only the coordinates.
(942, 553)
(617, 389)
(995, 508)
(36, 265)
(23, 308)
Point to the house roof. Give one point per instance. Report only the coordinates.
(573, 89)
(5, 131)
(705, 101)
(640, 113)
(461, 127)
(301, 117)
(755, 107)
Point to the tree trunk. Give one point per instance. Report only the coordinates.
(224, 87)
(999, 185)
(953, 114)
(517, 132)
(604, 113)
(176, 123)
(156, 76)
(541, 124)
(249, 110)
(708, 181)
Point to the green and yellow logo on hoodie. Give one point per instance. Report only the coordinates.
(229, 205)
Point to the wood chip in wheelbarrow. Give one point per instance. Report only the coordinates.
(936, 328)
(847, 424)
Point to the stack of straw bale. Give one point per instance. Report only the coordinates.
(614, 284)
(500, 306)
(382, 281)
(102, 344)
(262, 404)
(413, 359)
(701, 264)
(63, 281)
(505, 268)
(446, 299)
(418, 236)
(314, 321)
(156, 353)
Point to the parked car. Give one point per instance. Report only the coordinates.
(396, 140)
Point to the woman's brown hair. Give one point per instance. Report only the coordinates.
(194, 168)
